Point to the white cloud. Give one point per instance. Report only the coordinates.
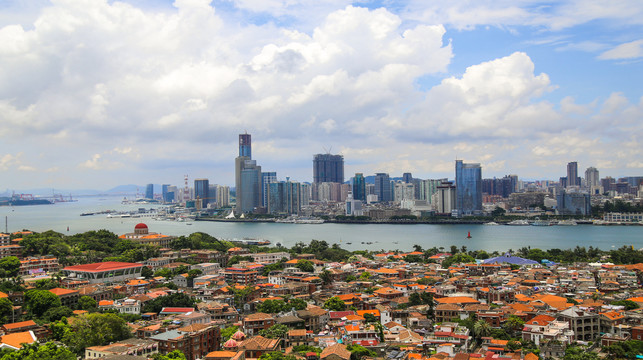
(630, 50)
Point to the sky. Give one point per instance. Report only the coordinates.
(96, 93)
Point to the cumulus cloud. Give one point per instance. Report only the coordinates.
(103, 85)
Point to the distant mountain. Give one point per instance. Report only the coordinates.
(126, 189)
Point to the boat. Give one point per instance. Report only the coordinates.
(567, 222)
(491, 223)
(539, 222)
(518, 223)
(247, 241)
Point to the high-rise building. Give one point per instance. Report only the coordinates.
(573, 203)
(468, 187)
(353, 206)
(247, 178)
(359, 187)
(591, 177)
(267, 177)
(328, 168)
(446, 194)
(202, 191)
(572, 174)
(245, 145)
(165, 193)
(149, 191)
(383, 187)
(403, 191)
(223, 196)
(429, 187)
(284, 197)
(407, 177)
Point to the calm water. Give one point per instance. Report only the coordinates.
(59, 216)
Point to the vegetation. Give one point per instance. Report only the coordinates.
(334, 304)
(321, 250)
(276, 306)
(90, 330)
(172, 300)
(277, 331)
(37, 351)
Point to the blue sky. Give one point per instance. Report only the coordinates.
(100, 93)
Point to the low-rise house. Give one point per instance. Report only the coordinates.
(256, 322)
(258, 345)
(134, 346)
(195, 341)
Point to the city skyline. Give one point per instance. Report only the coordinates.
(98, 94)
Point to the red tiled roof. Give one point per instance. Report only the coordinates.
(104, 266)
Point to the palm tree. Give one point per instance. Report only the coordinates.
(481, 329)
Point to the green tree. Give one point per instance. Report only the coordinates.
(146, 272)
(513, 325)
(6, 310)
(277, 331)
(38, 302)
(365, 276)
(629, 304)
(56, 313)
(481, 329)
(95, 329)
(326, 276)
(10, 266)
(172, 300)
(36, 351)
(227, 333)
(276, 355)
(498, 211)
(459, 258)
(624, 350)
(577, 353)
(334, 304)
(359, 352)
(370, 318)
(173, 355)
(305, 265)
(87, 303)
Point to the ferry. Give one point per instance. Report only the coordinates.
(518, 223)
(567, 222)
(245, 241)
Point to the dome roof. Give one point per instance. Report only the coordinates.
(231, 344)
(140, 226)
(238, 335)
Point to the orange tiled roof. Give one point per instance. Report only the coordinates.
(16, 340)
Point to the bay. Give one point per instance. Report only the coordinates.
(60, 216)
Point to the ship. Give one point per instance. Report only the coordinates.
(518, 223)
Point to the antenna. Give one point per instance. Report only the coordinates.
(327, 150)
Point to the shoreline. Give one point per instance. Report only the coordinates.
(400, 222)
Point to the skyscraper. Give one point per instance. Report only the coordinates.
(468, 188)
(328, 168)
(149, 191)
(591, 177)
(284, 197)
(202, 191)
(359, 187)
(247, 178)
(383, 187)
(572, 174)
(165, 193)
(267, 177)
(407, 177)
(245, 145)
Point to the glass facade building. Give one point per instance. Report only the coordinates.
(468, 187)
(383, 188)
(359, 187)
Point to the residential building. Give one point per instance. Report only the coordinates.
(194, 341)
(328, 168)
(142, 235)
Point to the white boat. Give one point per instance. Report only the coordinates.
(542, 223)
(492, 223)
(518, 223)
(567, 222)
